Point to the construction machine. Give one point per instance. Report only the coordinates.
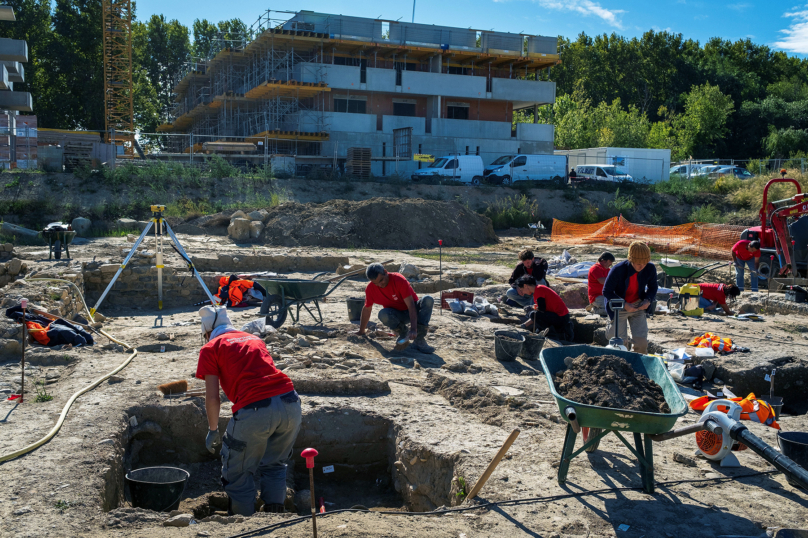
(773, 233)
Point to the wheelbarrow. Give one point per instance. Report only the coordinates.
(682, 274)
(594, 422)
(59, 235)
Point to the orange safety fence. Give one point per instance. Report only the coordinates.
(712, 241)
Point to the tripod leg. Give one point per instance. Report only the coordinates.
(94, 309)
(158, 239)
(179, 248)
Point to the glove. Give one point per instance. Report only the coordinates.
(213, 440)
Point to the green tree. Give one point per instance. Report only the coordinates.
(166, 49)
(782, 143)
(703, 125)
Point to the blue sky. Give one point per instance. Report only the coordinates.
(782, 25)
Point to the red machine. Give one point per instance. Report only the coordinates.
(773, 233)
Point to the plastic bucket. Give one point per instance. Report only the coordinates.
(794, 446)
(532, 347)
(157, 488)
(508, 345)
(355, 306)
(777, 405)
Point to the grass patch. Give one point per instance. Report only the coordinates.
(706, 213)
(515, 211)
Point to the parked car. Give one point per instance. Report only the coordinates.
(462, 168)
(707, 170)
(686, 170)
(510, 168)
(740, 173)
(601, 172)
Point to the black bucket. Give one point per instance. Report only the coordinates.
(157, 488)
(532, 347)
(355, 306)
(794, 446)
(508, 345)
(777, 405)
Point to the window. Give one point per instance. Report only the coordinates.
(601, 173)
(363, 71)
(355, 106)
(457, 112)
(403, 109)
(452, 164)
(520, 161)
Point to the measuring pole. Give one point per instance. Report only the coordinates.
(24, 304)
(440, 272)
(309, 454)
(158, 239)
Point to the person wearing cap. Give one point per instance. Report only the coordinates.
(635, 281)
(266, 411)
(596, 279)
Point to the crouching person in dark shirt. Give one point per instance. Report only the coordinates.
(548, 310)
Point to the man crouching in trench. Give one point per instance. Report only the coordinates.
(266, 413)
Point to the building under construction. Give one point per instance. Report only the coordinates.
(319, 85)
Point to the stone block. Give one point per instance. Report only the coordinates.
(408, 270)
(8, 247)
(126, 224)
(256, 227)
(14, 266)
(257, 215)
(109, 268)
(239, 229)
(81, 226)
(238, 215)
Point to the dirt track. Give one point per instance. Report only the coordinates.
(444, 415)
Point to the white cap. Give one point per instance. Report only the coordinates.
(213, 317)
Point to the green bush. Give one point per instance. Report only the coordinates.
(622, 205)
(589, 213)
(220, 168)
(706, 213)
(512, 212)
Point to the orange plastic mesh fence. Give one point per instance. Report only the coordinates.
(695, 239)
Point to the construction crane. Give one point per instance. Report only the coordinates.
(118, 88)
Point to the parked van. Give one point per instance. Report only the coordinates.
(510, 168)
(463, 168)
(601, 172)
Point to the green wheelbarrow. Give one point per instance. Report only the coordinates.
(594, 422)
(286, 297)
(684, 274)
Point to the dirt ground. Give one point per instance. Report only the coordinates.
(401, 428)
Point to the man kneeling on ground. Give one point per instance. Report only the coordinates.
(399, 305)
(597, 277)
(529, 265)
(715, 295)
(266, 413)
(634, 280)
(548, 310)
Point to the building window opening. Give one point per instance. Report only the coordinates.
(404, 109)
(457, 111)
(363, 71)
(354, 106)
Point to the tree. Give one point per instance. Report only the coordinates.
(785, 142)
(165, 49)
(704, 123)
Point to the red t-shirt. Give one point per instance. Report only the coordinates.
(528, 270)
(391, 296)
(713, 292)
(245, 368)
(596, 288)
(633, 289)
(553, 303)
(742, 253)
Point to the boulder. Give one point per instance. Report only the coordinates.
(181, 520)
(408, 270)
(238, 215)
(126, 224)
(141, 224)
(256, 227)
(81, 226)
(257, 215)
(14, 266)
(239, 230)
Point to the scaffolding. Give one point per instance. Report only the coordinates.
(118, 107)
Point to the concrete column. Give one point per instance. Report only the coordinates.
(436, 63)
(535, 113)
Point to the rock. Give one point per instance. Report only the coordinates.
(238, 215)
(182, 520)
(26, 510)
(126, 224)
(239, 230)
(408, 270)
(106, 442)
(115, 379)
(687, 460)
(9, 347)
(257, 215)
(81, 226)
(141, 224)
(302, 342)
(14, 266)
(256, 227)
(303, 500)
(8, 247)
(574, 295)
(163, 337)
(709, 369)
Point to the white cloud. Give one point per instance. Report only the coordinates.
(795, 36)
(586, 8)
(739, 6)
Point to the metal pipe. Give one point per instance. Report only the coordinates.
(573, 418)
(24, 304)
(678, 432)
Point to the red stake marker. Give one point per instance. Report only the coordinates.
(440, 278)
(309, 454)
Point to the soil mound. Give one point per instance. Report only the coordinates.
(609, 381)
(379, 223)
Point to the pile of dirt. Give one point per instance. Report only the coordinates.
(609, 381)
(381, 223)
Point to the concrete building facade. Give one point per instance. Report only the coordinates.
(318, 84)
(17, 133)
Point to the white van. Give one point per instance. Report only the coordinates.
(510, 168)
(462, 168)
(600, 172)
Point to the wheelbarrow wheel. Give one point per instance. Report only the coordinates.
(57, 249)
(275, 310)
(589, 433)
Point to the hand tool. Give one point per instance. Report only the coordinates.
(493, 465)
(309, 454)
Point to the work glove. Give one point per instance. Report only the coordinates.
(213, 440)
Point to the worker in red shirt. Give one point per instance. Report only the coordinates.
(597, 277)
(400, 305)
(266, 413)
(548, 310)
(715, 295)
(746, 253)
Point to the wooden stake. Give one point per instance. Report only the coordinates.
(493, 465)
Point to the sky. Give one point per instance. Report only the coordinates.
(781, 25)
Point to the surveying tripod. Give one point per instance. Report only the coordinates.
(158, 222)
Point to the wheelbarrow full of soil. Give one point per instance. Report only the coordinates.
(594, 422)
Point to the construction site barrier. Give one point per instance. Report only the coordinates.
(700, 239)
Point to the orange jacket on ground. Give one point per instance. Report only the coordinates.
(712, 340)
(751, 408)
(236, 290)
(39, 332)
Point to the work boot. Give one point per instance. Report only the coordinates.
(420, 340)
(403, 336)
